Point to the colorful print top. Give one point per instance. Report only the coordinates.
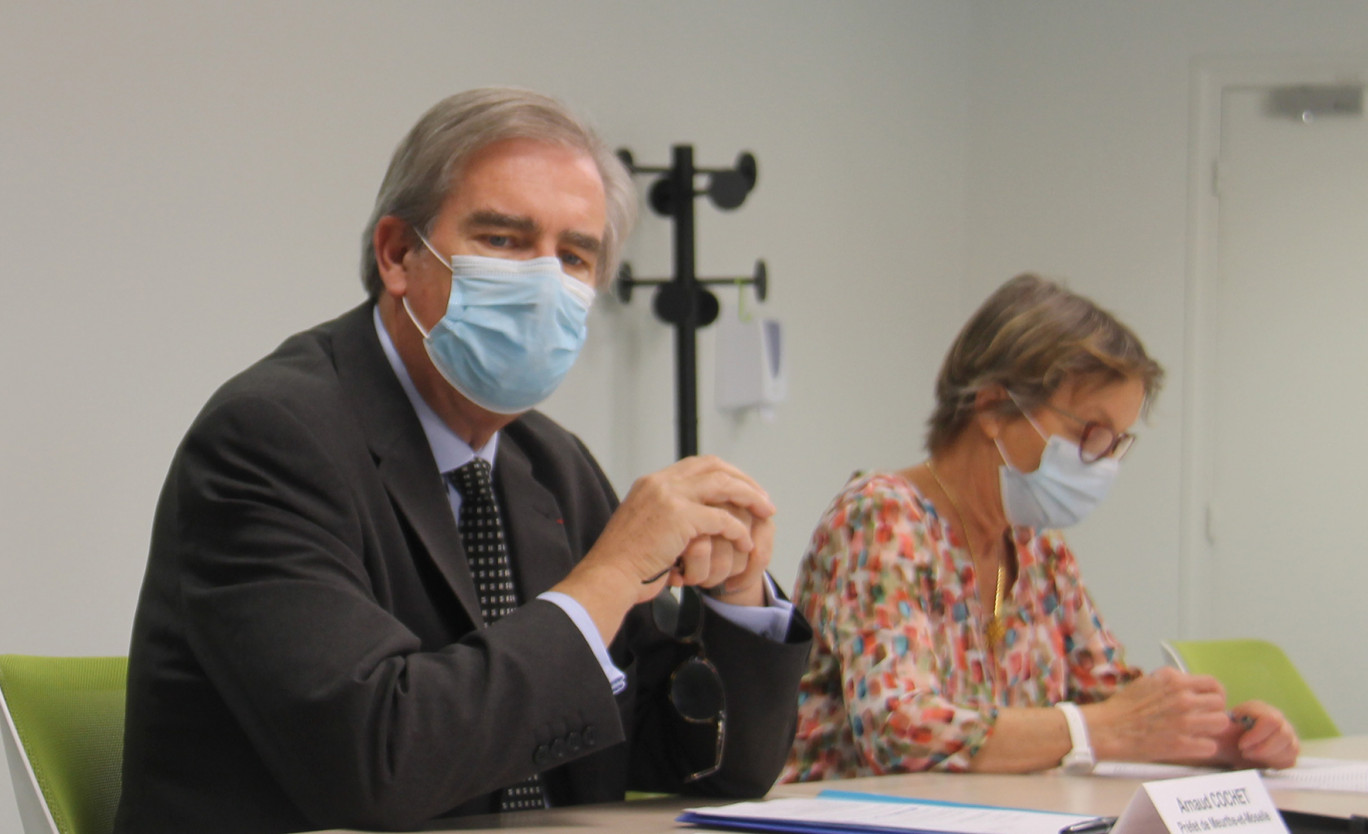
(900, 677)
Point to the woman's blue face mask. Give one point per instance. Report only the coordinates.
(1061, 491)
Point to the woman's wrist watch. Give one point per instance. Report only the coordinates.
(1080, 760)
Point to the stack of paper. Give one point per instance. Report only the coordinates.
(1310, 774)
(840, 812)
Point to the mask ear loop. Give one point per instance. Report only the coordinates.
(1024, 413)
(414, 319)
(998, 444)
(408, 309)
(444, 261)
(1029, 418)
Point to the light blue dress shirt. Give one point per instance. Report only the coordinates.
(450, 452)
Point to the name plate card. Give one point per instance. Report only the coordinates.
(1235, 802)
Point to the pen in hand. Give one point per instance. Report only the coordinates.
(1245, 721)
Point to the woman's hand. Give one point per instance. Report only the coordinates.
(1268, 741)
(1167, 716)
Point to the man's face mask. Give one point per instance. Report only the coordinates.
(511, 331)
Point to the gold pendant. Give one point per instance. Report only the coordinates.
(995, 631)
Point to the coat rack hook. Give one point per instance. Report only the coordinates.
(684, 300)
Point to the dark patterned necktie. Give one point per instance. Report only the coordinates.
(483, 539)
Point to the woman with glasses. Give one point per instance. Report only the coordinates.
(953, 630)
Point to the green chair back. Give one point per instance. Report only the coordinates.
(1256, 670)
(68, 716)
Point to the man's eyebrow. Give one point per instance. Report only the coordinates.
(588, 243)
(488, 218)
(497, 219)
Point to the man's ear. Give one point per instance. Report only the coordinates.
(394, 244)
(988, 402)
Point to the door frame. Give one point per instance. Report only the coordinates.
(1211, 78)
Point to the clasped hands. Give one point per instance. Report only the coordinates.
(700, 521)
(1172, 716)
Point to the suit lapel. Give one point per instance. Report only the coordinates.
(533, 524)
(419, 493)
(401, 452)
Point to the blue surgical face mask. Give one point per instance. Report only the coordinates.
(512, 329)
(1061, 491)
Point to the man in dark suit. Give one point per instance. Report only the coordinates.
(319, 642)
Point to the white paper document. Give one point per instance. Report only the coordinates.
(1310, 774)
(875, 813)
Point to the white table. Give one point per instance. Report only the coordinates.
(1051, 791)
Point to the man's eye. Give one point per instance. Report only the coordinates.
(571, 259)
(499, 241)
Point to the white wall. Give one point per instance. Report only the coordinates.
(184, 185)
(1079, 148)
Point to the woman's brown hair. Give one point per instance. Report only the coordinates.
(1029, 336)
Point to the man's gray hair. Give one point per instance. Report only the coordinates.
(434, 152)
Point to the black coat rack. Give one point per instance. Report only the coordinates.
(684, 300)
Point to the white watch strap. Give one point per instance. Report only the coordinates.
(1080, 759)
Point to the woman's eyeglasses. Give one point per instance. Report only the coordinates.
(1098, 441)
(695, 686)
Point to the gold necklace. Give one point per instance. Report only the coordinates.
(995, 628)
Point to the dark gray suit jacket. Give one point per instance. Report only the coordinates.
(306, 653)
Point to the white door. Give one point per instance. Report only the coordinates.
(1289, 393)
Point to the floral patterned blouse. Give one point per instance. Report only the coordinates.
(900, 677)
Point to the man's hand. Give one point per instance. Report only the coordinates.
(701, 513)
(726, 573)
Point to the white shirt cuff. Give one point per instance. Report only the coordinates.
(585, 624)
(771, 621)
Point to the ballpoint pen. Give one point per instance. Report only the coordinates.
(1245, 721)
(1096, 825)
